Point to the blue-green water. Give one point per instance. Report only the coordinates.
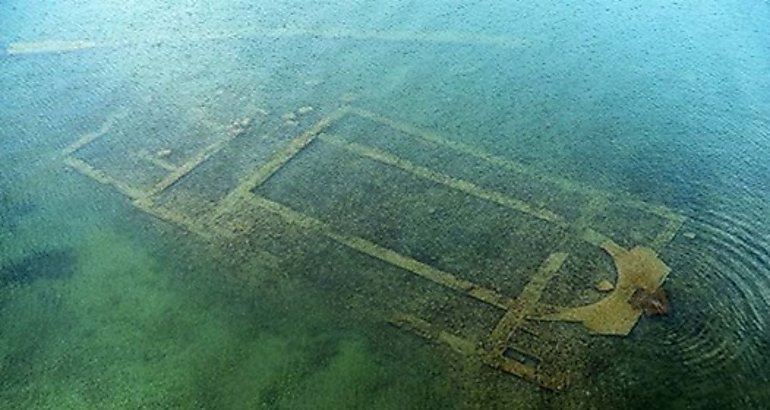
(105, 306)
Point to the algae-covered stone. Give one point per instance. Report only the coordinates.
(604, 286)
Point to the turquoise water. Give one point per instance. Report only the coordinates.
(105, 305)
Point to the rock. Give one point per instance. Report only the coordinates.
(604, 286)
(239, 126)
(651, 303)
(304, 110)
(348, 98)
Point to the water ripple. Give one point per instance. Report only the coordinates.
(721, 322)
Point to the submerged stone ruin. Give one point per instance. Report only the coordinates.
(475, 252)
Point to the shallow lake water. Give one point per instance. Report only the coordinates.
(327, 205)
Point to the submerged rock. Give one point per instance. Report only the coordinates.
(604, 286)
(651, 303)
(163, 153)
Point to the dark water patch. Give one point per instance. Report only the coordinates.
(15, 204)
(271, 395)
(13, 211)
(39, 264)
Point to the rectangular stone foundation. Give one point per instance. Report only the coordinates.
(545, 241)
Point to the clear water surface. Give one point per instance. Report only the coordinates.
(104, 305)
